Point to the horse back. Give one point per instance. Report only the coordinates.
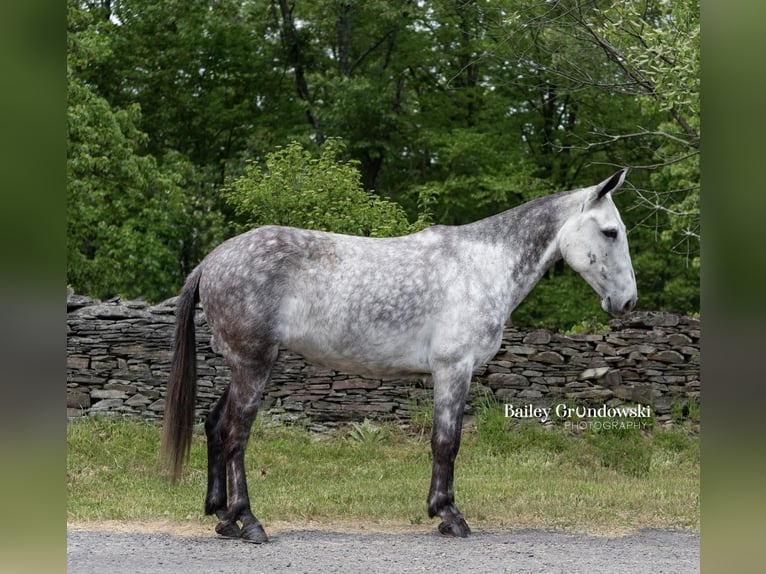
(340, 300)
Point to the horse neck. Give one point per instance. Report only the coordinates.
(527, 239)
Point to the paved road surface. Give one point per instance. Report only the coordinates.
(298, 551)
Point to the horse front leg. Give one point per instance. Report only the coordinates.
(450, 392)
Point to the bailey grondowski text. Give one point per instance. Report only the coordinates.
(636, 416)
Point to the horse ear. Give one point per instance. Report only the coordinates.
(611, 184)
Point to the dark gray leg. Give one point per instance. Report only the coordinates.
(450, 392)
(215, 501)
(247, 383)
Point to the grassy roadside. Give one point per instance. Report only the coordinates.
(597, 481)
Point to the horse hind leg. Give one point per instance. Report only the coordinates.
(450, 392)
(216, 501)
(248, 379)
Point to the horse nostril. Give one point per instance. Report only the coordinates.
(629, 304)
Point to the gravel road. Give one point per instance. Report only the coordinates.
(313, 551)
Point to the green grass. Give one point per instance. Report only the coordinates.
(529, 477)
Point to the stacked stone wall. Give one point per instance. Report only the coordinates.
(119, 354)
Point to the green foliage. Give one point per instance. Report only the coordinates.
(181, 129)
(665, 281)
(561, 301)
(677, 412)
(683, 410)
(672, 441)
(587, 327)
(422, 417)
(633, 68)
(549, 479)
(695, 412)
(365, 433)
(492, 427)
(323, 193)
(499, 436)
(131, 224)
(626, 452)
(121, 206)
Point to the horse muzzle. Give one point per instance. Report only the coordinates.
(617, 307)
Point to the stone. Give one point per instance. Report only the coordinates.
(325, 406)
(157, 406)
(107, 394)
(114, 385)
(611, 379)
(537, 338)
(576, 385)
(77, 362)
(505, 394)
(355, 384)
(299, 398)
(600, 394)
(661, 320)
(550, 357)
(138, 400)
(520, 349)
(552, 381)
(667, 357)
(605, 349)
(634, 394)
(567, 351)
(319, 387)
(85, 379)
(640, 348)
(106, 404)
(373, 407)
(679, 340)
(595, 373)
(498, 380)
(662, 404)
(77, 400)
(120, 351)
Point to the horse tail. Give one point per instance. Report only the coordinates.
(182, 384)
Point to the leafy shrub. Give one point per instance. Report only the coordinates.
(296, 189)
(365, 433)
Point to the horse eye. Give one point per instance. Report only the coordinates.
(610, 233)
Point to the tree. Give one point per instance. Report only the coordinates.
(322, 193)
(464, 107)
(618, 83)
(129, 220)
(643, 52)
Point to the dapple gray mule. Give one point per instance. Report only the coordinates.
(432, 302)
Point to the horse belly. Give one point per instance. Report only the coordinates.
(336, 340)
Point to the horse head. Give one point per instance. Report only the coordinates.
(594, 242)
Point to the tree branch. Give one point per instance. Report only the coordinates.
(295, 57)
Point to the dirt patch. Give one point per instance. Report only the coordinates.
(275, 527)
(206, 528)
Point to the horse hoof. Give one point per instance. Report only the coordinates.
(228, 530)
(254, 533)
(456, 527)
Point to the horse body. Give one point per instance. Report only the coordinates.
(432, 302)
(375, 306)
